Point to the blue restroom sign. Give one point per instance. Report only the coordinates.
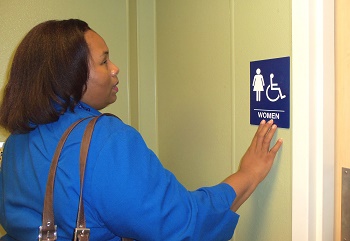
(270, 91)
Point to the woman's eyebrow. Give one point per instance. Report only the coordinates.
(105, 53)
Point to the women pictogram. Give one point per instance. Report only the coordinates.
(258, 84)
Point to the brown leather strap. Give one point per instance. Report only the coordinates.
(84, 149)
(48, 228)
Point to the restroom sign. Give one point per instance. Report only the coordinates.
(270, 91)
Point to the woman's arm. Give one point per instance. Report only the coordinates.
(255, 164)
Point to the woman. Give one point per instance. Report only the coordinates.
(63, 68)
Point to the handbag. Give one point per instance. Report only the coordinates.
(48, 229)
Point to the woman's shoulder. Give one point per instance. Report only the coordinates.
(106, 121)
(111, 128)
(112, 123)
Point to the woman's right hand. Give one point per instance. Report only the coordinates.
(255, 164)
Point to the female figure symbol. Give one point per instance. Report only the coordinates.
(258, 84)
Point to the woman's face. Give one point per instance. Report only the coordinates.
(102, 83)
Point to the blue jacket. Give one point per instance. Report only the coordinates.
(127, 191)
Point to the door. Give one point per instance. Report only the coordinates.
(342, 118)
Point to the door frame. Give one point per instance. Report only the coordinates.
(313, 124)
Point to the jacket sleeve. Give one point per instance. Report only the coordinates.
(135, 196)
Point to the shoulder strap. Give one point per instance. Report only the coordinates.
(48, 230)
(84, 149)
(82, 233)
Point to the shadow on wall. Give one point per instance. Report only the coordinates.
(3, 133)
(263, 196)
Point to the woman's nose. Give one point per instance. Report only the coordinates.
(115, 70)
